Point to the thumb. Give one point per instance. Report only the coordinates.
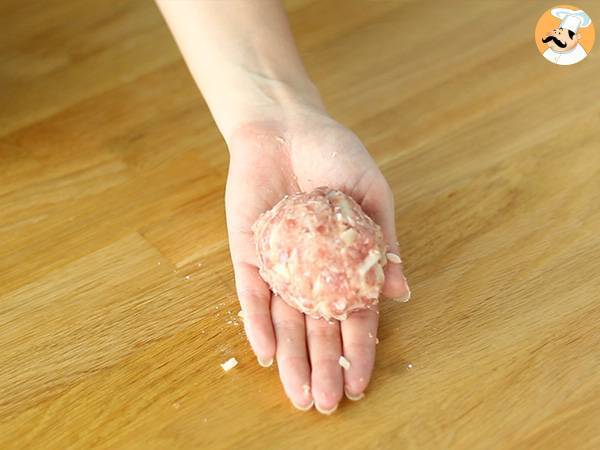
(379, 205)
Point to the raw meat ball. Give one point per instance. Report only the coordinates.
(321, 253)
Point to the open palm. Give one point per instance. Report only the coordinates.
(269, 160)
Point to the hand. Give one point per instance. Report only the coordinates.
(272, 158)
(243, 57)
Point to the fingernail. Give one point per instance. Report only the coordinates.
(265, 362)
(327, 412)
(406, 296)
(354, 398)
(303, 408)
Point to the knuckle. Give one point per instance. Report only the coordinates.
(324, 333)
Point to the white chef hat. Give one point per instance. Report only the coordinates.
(571, 19)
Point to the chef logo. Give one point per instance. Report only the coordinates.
(564, 35)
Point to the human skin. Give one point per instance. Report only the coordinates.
(281, 140)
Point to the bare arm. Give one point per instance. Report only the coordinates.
(243, 58)
(242, 55)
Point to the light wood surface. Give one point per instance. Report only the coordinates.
(115, 281)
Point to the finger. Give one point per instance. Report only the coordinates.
(292, 357)
(325, 349)
(395, 284)
(379, 204)
(359, 337)
(255, 299)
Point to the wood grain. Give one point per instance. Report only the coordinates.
(116, 287)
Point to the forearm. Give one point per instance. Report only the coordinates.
(243, 58)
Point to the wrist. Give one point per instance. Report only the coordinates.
(257, 97)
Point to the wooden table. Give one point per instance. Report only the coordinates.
(116, 291)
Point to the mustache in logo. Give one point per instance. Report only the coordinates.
(555, 40)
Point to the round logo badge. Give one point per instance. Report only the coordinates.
(564, 35)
